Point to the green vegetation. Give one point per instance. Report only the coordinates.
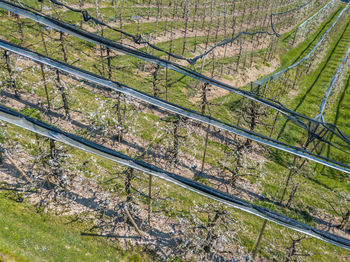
(27, 234)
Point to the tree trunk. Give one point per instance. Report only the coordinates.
(12, 81)
(63, 94)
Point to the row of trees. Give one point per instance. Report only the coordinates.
(173, 134)
(190, 28)
(203, 231)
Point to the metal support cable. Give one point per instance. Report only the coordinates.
(286, 12)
